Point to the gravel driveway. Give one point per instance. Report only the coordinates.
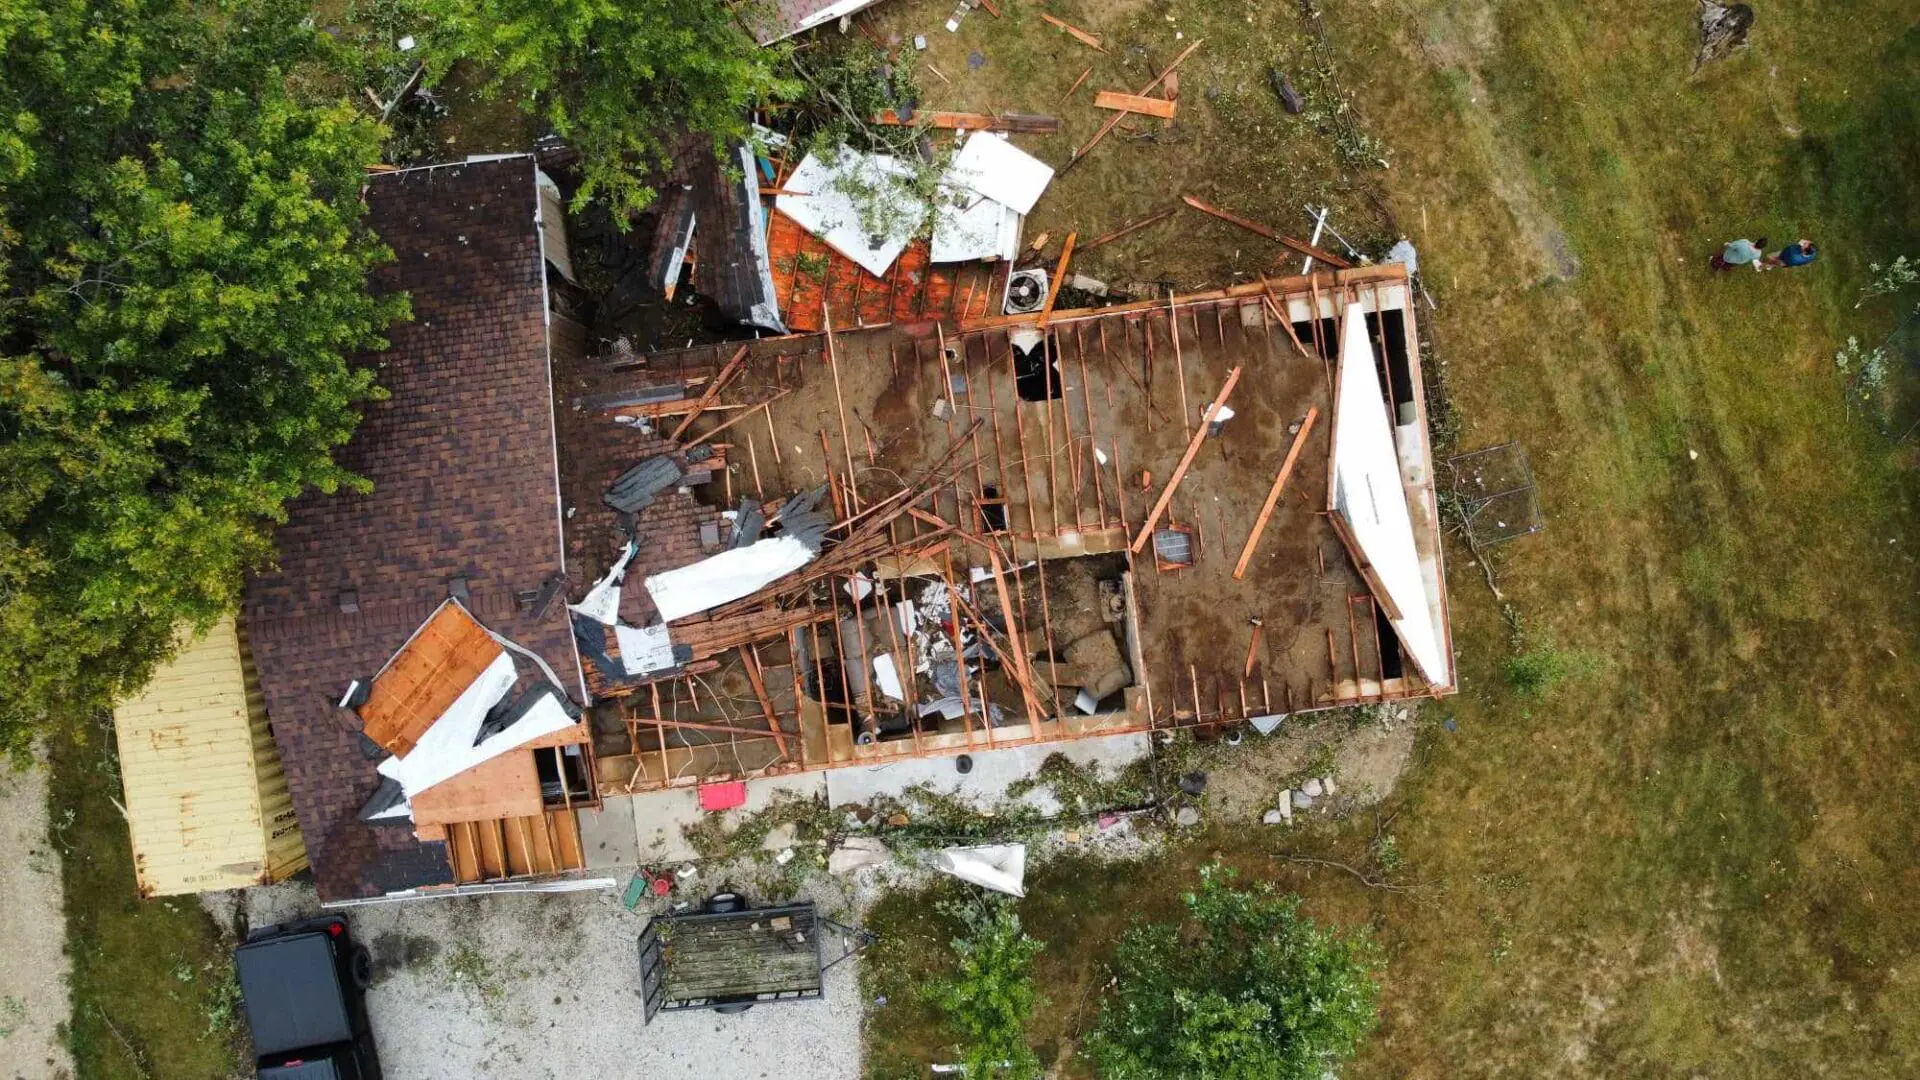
(33, 934)
(541, 987)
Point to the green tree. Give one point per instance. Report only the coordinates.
(620, 80)
(185, 279)
(1249, 990)
(990, 997)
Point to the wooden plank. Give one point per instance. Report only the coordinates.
(443, 658)
(1018, 123)
(1114, 120)
(1078, 34)
(751, 409)
(492, 849)
(565, 826)
(1076, 84)
(1059, 275)
(506, 786)
(1273, 493)
(463, 850)
(1180, 471)
(752, 661)
(727, 372)
(1130, 227)
(1133, 103)
(1258, 229)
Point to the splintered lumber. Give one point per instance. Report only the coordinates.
(1084, 38)
(1108, 238)
(1059, 275)
(1258, 229)
(1114, 120)
(719, 382)
(1180, 470)
(1019, 123)
(751, 660)
(992, 8)
(1076, 83)
(1273, 495)
(1133, 103)
(751, 409)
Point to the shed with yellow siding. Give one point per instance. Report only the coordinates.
(207, 805)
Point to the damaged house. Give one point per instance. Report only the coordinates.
(911, 524)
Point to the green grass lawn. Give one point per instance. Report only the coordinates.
(1695, 858)
(153, 988)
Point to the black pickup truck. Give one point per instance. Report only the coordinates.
(304, 987)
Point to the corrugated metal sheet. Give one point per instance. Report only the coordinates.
(206, 802)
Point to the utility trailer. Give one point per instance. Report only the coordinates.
(729, 957)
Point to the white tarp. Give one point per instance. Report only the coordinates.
(994, 167)
(826, 208)
(968, 227)
(446, 749)
(1369, 496)
(602, 602)
(644, 648)
(728, 576)
(1000, 867)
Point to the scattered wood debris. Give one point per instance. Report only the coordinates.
(1258, 229)
(1085, 38)
(1134, 226)
(1132, 103)
(1114, 120)
(1021, 123)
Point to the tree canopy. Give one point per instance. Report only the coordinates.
(185, 276)
(619, 81)
(1250, 990)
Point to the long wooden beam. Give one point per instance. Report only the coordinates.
(1053, 288)
(742, 416)
(1258, 229)
(1108, 238)
(1273, 494)
(1180, 471)
(727, 372)
(1021, 123)
(752, 661)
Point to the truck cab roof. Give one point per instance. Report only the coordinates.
(294, 1000)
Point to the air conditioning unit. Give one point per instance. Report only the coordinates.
(1026, 292)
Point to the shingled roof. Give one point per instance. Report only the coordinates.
(461, 458)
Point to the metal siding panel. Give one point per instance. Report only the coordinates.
(188, 765)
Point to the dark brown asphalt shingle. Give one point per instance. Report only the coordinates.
(461, 458)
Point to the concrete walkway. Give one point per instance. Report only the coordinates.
(33, 934)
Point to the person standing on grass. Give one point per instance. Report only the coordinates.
(1741, 253)
(1798, 253)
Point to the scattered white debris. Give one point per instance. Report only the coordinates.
(726, 577)
(1000, 867)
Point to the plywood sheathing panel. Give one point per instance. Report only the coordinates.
(506, 786)
(450, 651)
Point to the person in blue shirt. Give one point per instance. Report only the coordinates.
(1798, 253)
